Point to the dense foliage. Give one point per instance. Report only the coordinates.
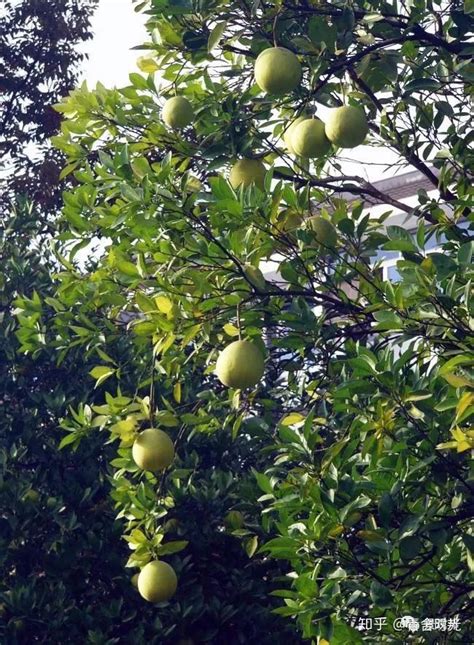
(60, 566)
(349, 460)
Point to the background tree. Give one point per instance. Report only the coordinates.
(367, 388)
(40, 59)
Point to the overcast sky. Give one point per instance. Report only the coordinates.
(117, 28)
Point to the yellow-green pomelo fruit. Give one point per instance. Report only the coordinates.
(153, 450)
(288, 130)
(234, 520)
(324, 231)
(255, 276)
(134, 580)
(346, 126)
(309, 140)
(177, 112)
(277, 70)
(289, 220)
(157, 581)
(246, 172)
(240, 365)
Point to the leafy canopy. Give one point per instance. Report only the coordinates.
(349, 459)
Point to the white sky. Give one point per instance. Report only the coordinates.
(116, 28)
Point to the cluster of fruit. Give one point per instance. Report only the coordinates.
(153, 450)
(241, 364)
(277, 72)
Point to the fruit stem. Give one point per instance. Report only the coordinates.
(176, 79)
(274, 30)
(238, 321)
(152, 392)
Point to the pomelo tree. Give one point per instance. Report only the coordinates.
(348, 459)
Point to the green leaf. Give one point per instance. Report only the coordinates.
(67, 440)
(445, 266)
(400, 245)
(101, 373)
(380, 595)
(409, 526)
(264, 482)
(387, 320)
(145, 303)
(216, 35)
(410, 547)
(465, 253)
(167, 419)
(164, 304)
(147, 64)
(127, 268)
(292, 419)
(321, 32)
(370, 18)
(172, 547)
(421, 84)
(386, 509)
(177, 392)
(456, 361)
(230, 329)
(251, 545)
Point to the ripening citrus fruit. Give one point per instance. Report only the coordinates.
(277, 70)
(177, 112)
(288, 220)
(157, 581)
(246, 172)
(346, 126)
(240, 365)
(324, 232)
(288, 130)
(134, 580)
(153, 450)
(309, 140)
